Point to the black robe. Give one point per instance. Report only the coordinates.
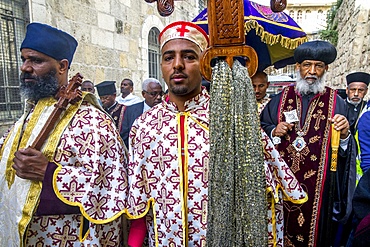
(345, 175)
(352, 114)
(116, 111)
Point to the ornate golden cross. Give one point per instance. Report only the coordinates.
(318, 116)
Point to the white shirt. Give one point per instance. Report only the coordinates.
(129, 99)
(146, 107)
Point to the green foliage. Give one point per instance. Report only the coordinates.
(331, 33)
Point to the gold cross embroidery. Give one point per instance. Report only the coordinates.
(297, 157)
(318, 116)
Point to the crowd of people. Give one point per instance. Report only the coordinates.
(130, 171)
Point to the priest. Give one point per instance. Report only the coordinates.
(357, 83)
(298, 120)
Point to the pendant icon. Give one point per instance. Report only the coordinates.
(299, 143)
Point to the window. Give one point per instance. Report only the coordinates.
(299, 16)
(154, 54)
(320, 14)
(12, 30)
(291, 13)
(308, 14)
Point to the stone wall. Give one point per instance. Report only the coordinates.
(112, 34)
(353, 42)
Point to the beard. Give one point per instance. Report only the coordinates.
(179, 90)
(43, 87)
(355, 103)
(304, 88)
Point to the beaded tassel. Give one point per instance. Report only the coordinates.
(237, 209)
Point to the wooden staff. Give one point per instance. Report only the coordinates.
(227, 37)
(164, 7)
(67, 94)
(278, 5)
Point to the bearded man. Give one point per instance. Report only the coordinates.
(68, 193)
(298, 120)
(357, 83)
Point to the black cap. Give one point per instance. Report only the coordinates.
(315, 50)
(358, 77)
(106, 88)
(51, 41)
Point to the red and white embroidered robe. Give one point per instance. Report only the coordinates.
(172, 188)
(88, 158)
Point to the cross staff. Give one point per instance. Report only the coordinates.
(165, 7)
(226, 35)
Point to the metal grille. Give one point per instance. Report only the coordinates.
(13, 21)
(154, 54)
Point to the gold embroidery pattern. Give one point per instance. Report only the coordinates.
(318, 116)
(314, 139)
(297, 157)
(313, 157)
(320, 171)
(309, 174)
(301, 219)
(300, 238)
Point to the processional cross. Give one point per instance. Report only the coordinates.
(166, 7)
(226, 31)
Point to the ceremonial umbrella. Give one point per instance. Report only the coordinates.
(274, 36)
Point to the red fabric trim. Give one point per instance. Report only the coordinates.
(137, 232)
(182, 132)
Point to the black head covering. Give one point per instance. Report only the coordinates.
(52, 42)
(315, 50)
(358, 77)
(106, 88)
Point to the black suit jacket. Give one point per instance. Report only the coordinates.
(132, 112)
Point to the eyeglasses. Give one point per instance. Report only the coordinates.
(154, 94)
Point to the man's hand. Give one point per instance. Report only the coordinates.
(341, 124)
(282, 129)
(30, 163)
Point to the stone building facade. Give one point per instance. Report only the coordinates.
(112, 35)
(117, 39)
(353, 41)
(309, 14)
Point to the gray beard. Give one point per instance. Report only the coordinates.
(354, 103)
(304, 88)
(45, 86)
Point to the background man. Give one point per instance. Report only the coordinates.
(299, 120)
(356, 90)
(260, 84)
(169, 148)
(88, 86)
(56, 196)
(107, 93)
(126, 97)
(152, 92)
